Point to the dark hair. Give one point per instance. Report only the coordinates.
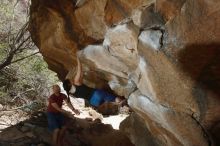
(67, 86)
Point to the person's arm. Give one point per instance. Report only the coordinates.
(54, 104)
(79, 75)
(69, 104)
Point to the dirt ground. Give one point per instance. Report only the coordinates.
(17, 128)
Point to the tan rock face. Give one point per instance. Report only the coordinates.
(146, 17)
(117, 10)
(91, 18)
(121, 41)
(136, 129)
(162, 55)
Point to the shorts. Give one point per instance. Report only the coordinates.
(101, 96)
(55, 121)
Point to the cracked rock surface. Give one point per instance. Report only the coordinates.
(162, 55)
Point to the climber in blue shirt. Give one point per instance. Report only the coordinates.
(96, 97)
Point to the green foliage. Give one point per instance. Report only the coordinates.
(27, 81)
(3, 52)
(6, 15)
(2, 94)
(12, 15)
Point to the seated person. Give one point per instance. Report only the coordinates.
(96, 97)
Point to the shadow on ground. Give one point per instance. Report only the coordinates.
(80, 132)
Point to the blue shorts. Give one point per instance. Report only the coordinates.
(101, 96)
(55, 121)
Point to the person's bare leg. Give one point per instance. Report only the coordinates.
(61, 135)
(55, 136)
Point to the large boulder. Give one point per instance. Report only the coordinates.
(135, 127)
(163, 55)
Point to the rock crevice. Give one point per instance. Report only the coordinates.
(163, 55)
